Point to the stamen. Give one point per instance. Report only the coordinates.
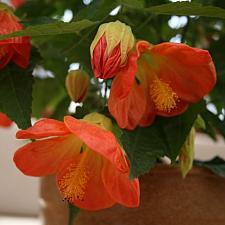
(163, 96)
(74, 183)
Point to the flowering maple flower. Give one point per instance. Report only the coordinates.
(160, 80)
(4, 120)
(16, 49)
(91, 167)
(110, 48)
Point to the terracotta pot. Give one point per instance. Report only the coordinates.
(54, 210)
(166, 199)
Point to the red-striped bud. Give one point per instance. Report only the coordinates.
(110, 48)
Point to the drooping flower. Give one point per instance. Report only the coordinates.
(77, 83)
(4, 120)
(15, 49)
(110, 48)
(17, 3)
(91, 167)
(160, 80)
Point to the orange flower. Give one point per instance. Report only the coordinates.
(17, 3)
(110, 47)
(4, 120)
(16, 49)
(92, 170)
(160, 80)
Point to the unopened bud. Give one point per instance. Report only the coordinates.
(99, 119)
(186, 156)
(110, 48)
(77, 83)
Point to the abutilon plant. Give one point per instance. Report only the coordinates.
(97, 159)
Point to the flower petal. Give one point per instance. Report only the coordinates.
(4, 120)
(18, 47)
(22, 53)
(9, 23)
(44, 128)
(97, 139)
(80, 182)
(17, 3)
(6, 54)
(127, 74)
(149, 114)
(127, 111)
(126, 95)
(122, 190)
(44, 157)
(189, 71)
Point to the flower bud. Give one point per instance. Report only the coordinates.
(110, 48)
(186, 156)
(100, 120)
(77, 83)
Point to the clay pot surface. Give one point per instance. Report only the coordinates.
(53, 210)
(167, 199)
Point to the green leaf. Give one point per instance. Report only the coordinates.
(52, 29)
(176, 129)
(165, 137)
(61, 109)
(200, 123)
(117, 131)
(216, 165)
(73, 212)
(96, 10)
(143, 146)
(46, 94)
(16, 95)
(213, 120)
(132, 3)
(54, 59)
(186, 9)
